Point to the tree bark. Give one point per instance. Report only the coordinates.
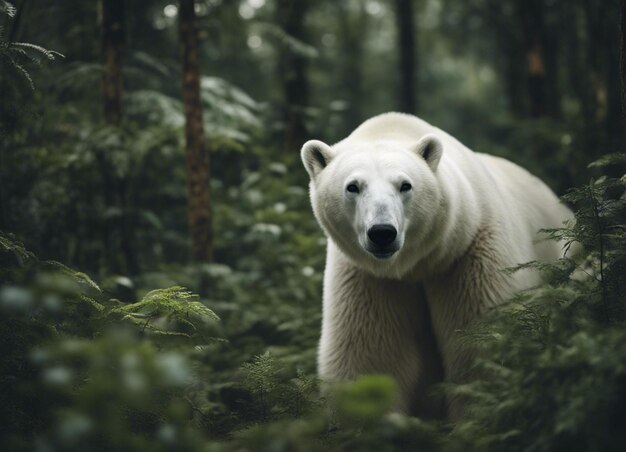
(115, 193)
(353, 26)
(614, 122)
(623, 56)
(407, 96)
(531, 13)
(292, 71)
(578, 69)
(199, 212)
(112, 50)
(509, 48)
(594, 32)
(540, 38)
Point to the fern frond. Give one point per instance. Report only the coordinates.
(22, 71)
(7, 8)
(260, 374)
(50, 54)
(77, 276)
(92, 303)
(174, 303)
(9, 243)
(609, 159)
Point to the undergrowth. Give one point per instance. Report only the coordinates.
(82, 369)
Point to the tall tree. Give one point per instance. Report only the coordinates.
(579, 72)
(623, 55)
(292, 71)
(614, 122)
(405, 23)
(353, 22)
(199, 212)
(540, 43)
(603, 61)
(112, 50)
(115, 192)
(508, 43)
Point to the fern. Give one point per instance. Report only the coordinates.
(80, 277)
(12, 54)
(8, 243)
(261, 375)
(175, 304)
(7, 8)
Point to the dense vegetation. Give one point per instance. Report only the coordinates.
(112, 338)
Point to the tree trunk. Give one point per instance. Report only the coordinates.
(408, 57)
(552, 35)
(614, 122)
(352, 31)
(531, 13)
(623, 56)
(509, 48)
(112, 50)
(199, 214)
(578, 69)
(115, 194)
(292, 71)
(595, 65)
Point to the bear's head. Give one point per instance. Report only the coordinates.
(378, 201)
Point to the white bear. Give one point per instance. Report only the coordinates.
(419, 229)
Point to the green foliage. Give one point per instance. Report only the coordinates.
(174, 304)
(109, 363)
(14, 55)
(553, 371)
(365, 400)
(276, 394)
(9, 244)
(76, 376)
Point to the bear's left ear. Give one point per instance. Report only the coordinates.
(316, 155)
(430, 148)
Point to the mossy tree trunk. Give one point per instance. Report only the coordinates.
(199, 212)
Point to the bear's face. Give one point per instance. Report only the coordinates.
(376, 201)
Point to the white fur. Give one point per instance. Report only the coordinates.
(466, 217)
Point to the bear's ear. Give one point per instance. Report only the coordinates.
(430, 148)
(316, 155)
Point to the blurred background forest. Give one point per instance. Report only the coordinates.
(150, 182)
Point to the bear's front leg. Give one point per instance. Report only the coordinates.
(371, 326)
(460, 297)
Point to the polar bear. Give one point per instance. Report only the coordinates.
(419, 229)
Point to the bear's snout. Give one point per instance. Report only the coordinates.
(382, 234)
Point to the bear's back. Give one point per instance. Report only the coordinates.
(396, 126)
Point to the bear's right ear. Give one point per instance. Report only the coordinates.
(430, 149)
(316, 155)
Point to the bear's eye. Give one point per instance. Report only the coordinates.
(352, 188)
(405, 187)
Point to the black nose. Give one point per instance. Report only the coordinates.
(382, 234)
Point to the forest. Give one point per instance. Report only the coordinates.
(161, 269)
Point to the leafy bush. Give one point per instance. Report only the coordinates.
(554, 367)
